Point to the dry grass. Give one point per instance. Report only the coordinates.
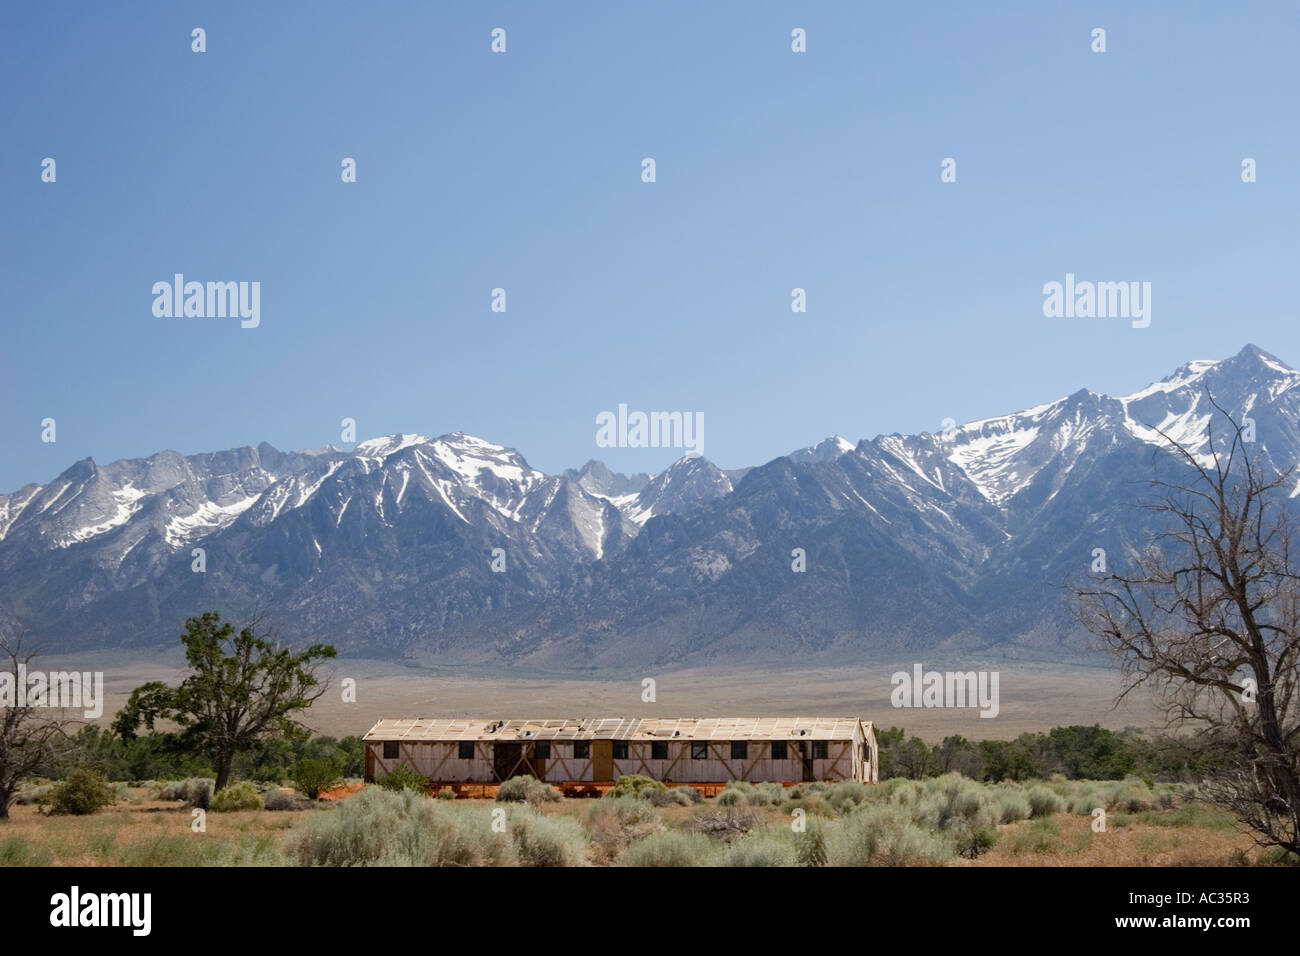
(1154, 838)
(147, 832)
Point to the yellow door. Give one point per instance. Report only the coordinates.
(602, 760)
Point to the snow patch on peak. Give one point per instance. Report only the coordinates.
(387, 445)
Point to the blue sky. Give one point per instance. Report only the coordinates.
(775, 170)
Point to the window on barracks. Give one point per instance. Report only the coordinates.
(620, 750)
(780, 750)
(465, 750)
(581, 749)
(542, 750)
(739, 749)
(821, 750)
(699, 751)
(390, 749)
(659, 750)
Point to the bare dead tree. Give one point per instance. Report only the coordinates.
(30, 735)
(1208, 617)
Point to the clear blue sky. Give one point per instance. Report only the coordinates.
(522, 170)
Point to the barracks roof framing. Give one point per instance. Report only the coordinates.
(619, 728)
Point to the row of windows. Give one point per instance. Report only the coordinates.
(658, 750)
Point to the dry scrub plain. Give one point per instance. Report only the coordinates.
(1035, 696)
(942, 821)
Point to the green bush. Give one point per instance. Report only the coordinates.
(884, 836)
(672, 797)
(311, 775)
(82, 793)
(770, 846)
(446, 793)
(404, 778)
(196, 791)
(1012, 805)
(527, 790)
(400, 827)
(634, 783)
(236, 796)
(539, 840)
(671, 848)
(277, 799)
(1043, 802)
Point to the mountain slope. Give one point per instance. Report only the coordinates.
(456, 546)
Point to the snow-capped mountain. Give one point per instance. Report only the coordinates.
(457, 546)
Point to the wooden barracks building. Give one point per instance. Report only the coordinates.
(696, 750)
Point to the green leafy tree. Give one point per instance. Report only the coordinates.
(242, 689)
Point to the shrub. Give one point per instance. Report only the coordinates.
(446, 793)
(670, 848)
(1012, 805)
(972, 843)
(810, 846)
(672, 797)
(612, 824)
(722, 821)
(34, 793)
(801, 790)
(770, 846)
(1043, 802)
(527, 790)
(312, 775)
(883, 836)
(634, 783)
(813, 804)
(83, 792)
(1040, 836)
(731, 798)
(236, 796)
(848, 794)
(277, 799)
(378, 827)
(539, 840)
(404, 778)
(196, 791)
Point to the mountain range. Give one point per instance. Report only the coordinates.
(958, 541)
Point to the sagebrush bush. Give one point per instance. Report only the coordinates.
(770, 846)
(236, 796)
(540, 840)
(671, 848)
(847, 794)
(1043, 802)
(612, 824)
(277, 799)
(196, 791)
(1012, 805)
(400, 827)
(634, 783)
(34, 793)
(84, 792)
(446, 793)
(527, 790)
(405, 778)
(672, 797)
(884, 836)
